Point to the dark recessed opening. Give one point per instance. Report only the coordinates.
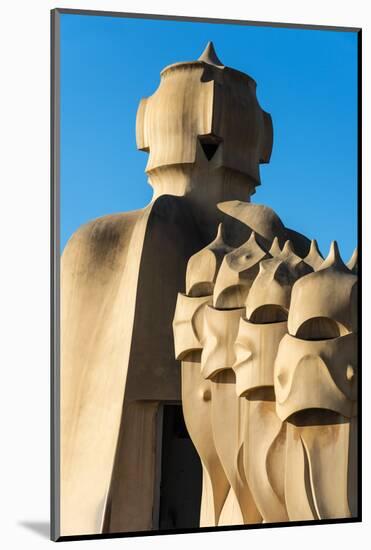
(181, 473)
(263, 393)
(209, 149)
(316, 417)
(209, 144)
(319, 328)
(268, 314)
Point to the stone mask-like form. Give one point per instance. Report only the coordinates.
(316, 364)
(202, 267)
(220, 331)
(270, 295)
(204, 101)
(188, 325)
(324, 304)
(255, 349)
(237, 273)
(316, 375)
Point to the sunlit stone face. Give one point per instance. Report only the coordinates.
(316, 374)
(273, 285)
(327, 294)
(255, 349)
(187, 325)
(207, 113)
(220, 331)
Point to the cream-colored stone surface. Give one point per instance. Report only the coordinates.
(196, 401)
(206, 299)
(256, 348)
(203, 267)
(330, 293)
(237, 273)
(220, 332)
(316, 374)
(284, 414)
(353, 262)
(314, 257)
(188, 326)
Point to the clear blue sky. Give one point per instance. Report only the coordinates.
(306, 79)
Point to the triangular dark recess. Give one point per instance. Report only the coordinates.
(209, 145)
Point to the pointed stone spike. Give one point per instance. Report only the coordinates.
(275, 249)
(209, 56)
(246, 256)
(203, 266)
(254, 241)
(293, 261)
(237, 273)
(353, 262)
(219, 241)
(264, 265)
(314, 257)
(333, 259)
(252, 238)
(219, 233)
(314, 247)
(288, 248)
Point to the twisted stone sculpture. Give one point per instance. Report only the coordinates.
(278, 337)
(263, 327)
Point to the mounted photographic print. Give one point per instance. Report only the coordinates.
(205, 190)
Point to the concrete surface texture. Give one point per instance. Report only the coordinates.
(263, 326)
